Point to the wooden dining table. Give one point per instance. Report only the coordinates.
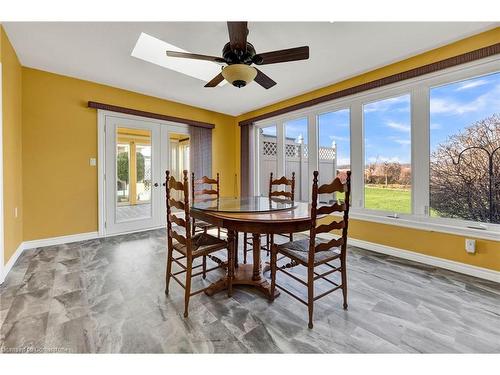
(256, 215)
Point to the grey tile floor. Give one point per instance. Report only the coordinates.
(107, 296)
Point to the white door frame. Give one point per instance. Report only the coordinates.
(166, 127)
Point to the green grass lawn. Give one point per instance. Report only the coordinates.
(392, 200)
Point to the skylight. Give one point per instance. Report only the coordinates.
(153, 50)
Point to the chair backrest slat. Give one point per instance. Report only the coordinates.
(176, 204)
(336, 207)
(335, 186)
(200, 192)
(330, 244)
(281, 193)
(325, 228)
(177, 220)
(290, 195)
(205, 192)
(185, 237)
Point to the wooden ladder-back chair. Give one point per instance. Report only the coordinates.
(200, 192)
(313, 252)
(190, 246)
(274, 192)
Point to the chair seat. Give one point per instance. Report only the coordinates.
(202, 224)
(203, 243)
(299, 250)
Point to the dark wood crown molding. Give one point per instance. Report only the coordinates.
(158, 116)
(412, 73)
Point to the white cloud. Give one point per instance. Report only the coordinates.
(472, 84)
(402, 141)
(387, 104)
(435, 126)
(383, 159)
(450, 106)
(338, 138)
(399, 126)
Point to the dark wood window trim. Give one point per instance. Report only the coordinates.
(412, 73)
(157, 116)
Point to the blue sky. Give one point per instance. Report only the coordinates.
(388, 122)
(387, 130)
(458, 105)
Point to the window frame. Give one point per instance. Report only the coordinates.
(419, 90)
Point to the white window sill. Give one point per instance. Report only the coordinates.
(485, 234)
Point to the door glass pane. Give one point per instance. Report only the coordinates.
(334, 151)
(464, 134)
(296, 156)
(268, 148)
(133, 174)
(387, 130)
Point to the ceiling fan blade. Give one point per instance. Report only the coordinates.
(284, 55)
(195, 56)
(215, 81)
(264, 80)
(238, 32)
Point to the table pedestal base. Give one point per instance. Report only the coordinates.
(243, 275)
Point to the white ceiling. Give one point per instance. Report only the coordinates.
(100, 52)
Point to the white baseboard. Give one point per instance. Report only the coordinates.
(482, 273)
(60, 240)
(13, 259)
(42, 243)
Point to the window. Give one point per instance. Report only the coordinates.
(334, 148)
(464, 132)
(268, 152)
(387, 174)
(296, 156)
(402, 143)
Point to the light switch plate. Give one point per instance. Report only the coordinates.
(470, 246)
(93, 162)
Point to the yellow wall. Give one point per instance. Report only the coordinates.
(60, 135)
(426, 242)
(12, 166)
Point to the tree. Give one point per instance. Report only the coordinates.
(461, 190)
(122, 162)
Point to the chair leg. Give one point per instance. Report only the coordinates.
(245, 239)
(273, 270)
(291, 237)
(236, 249)
(310, 293)
(344, 280)
(204, 266)
(267, 244)
(194, 228)
(218, 233)
(187, 293)
(169, 270)
(230, 262)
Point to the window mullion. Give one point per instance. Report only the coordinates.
(420, 150)
(357, 154)
(280, 152)
(313, 147)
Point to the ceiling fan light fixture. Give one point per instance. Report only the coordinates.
(239, 75)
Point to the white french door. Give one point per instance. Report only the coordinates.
(137, 153)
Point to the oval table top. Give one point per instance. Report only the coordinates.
(266, 218)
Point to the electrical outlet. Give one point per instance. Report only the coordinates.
(470, 246)
(93, 162)
(15, 212)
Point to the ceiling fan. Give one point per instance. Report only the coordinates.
(239, 55)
